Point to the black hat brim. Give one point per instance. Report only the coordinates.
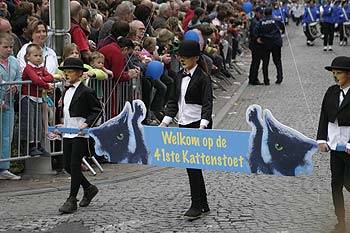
(330, 68)
(73, 67)
(184, 54)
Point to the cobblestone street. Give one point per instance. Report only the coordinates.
(156, 201)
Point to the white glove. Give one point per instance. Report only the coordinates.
(336, 25)
(331, 5)
(304, 24)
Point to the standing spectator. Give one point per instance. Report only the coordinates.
(9, 71)
(164, 13)
(5, 27)
(115, 60)
(31, 103)
(77, 33)
(193, 101)
(38, 34)
(334, 133)
(123, 12)
(190, 13)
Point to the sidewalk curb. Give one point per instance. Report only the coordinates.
(222, 113)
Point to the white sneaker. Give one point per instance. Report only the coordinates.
(7, 175)
(325, 48)
(330, 48)
(341, 43)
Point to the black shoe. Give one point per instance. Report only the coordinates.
(267, 82)
(193, 213)
(340, 227)
(255, 83)
(34, 152)
(89, 194)
(205, 208)
(278, 81)
(69, 206)
(44, 152)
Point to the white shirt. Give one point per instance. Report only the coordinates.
(71, 122)
(338, 135)
(188, 113)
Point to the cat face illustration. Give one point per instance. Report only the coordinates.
(276, 148)
(113, 136)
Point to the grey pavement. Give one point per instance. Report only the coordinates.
(135, 198)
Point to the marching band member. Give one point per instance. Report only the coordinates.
(344, 23)
(310, 19)
(329, 19)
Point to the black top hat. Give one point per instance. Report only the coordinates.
(73, 63)
(339, 63)
(189, 48)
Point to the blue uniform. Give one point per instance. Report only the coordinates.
(330, 14)
(313, 17)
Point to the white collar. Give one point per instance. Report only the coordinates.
(191, 71)
(345, 90)
(35, 66)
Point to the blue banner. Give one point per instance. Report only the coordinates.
(270, 148)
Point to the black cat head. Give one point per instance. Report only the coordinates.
(114, 137)
(287, 151)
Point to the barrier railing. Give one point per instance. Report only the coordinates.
(24, 119)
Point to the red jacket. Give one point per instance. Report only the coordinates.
(115, 61)
(40, 78)
(189, 15)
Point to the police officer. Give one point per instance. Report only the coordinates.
(256, 48)
(269, 35)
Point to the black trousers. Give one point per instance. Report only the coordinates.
(195, 176)
(74, 149)
(276, 57)
(341, 32)
(340, 170)
(257, 56)
(328, 30)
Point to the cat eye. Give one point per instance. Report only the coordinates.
(278, 147)
(120, 136)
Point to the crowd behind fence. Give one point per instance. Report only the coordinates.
(13, 108)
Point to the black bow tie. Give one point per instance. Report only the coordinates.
(184, 74)
(68, 86)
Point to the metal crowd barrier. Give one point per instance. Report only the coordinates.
(12, 108)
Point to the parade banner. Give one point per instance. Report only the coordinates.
(270, 148)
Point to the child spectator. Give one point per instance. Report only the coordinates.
(31, 103)
(9, 72)
(97, 61)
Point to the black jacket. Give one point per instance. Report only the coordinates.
(269, 32)
(330, 111)
(84, 104)
(199, 92)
